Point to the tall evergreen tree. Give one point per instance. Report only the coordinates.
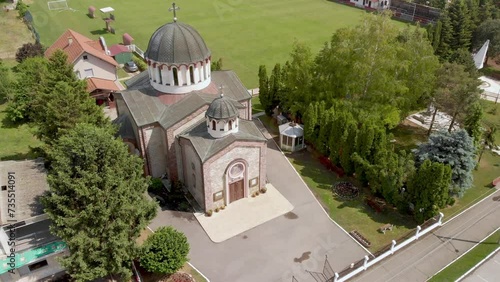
(429, 189)
(461, 24)
(31, 78)
(62, 108)
(444, 49)
(264, 89)
(96, 202)
(473, 121)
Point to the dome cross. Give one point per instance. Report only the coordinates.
(174, 8)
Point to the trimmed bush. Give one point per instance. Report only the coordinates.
(165, 251)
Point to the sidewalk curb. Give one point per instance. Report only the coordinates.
(470, 270)
(201, 273)
(478, 265)
(312, 194)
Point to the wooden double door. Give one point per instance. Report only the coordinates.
(236, 191)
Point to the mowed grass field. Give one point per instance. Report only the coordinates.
(245, 34)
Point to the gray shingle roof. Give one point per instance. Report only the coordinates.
(177, 43)
(206, 146)
(222, 108)
(146, 108)
(125, 128)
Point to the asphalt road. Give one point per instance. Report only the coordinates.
(274, 251)
(423, 258)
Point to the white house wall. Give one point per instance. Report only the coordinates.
(101, 69)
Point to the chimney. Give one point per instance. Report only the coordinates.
(70, 40)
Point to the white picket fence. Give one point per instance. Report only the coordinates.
(368, 263)
(136, 50)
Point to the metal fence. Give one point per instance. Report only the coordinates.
(28, 20)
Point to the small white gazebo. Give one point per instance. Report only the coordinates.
(291, 136)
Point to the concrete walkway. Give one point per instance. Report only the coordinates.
(244, 215)
(422, 259)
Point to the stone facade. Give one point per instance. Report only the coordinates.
(173, 154)
(251, 154)
(192, 172)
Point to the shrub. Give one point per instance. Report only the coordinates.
(451, 201)
(22, 8)
(263, 190)
(155, 185)
(165, 251)
(209, 213)
(29, 50)
(140, 63)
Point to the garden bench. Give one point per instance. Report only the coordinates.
(386, 227)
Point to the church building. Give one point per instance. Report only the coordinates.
(191, 124)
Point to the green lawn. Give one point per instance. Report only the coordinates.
(245, 34)
(256, 106)
(16, 140)
(354, 214)
(13, 33)
(492, 116)
(470, 259)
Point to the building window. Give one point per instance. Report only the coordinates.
(191, 74)
(159, 76)
(213, 125)
(85, 57)
(192, 165)
(176, 76)
(77, 73)
(89, 73)
(230, 124)
(38, 265)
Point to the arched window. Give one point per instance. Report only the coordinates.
(230, 124)
(204, 70)
(160, 81)
(213, 124)
(176, 78)
(191, 74)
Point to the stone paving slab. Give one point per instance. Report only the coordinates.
(244, 215)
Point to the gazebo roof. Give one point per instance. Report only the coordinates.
(292, 129)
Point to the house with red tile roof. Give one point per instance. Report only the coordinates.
(90, 62)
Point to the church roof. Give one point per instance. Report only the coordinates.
(177, 43)
(206, 146)
(146, 106)
(125, 128)
(222, 108)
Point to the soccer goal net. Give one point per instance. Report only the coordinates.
(57, 5)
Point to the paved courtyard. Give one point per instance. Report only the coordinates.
(276, 250)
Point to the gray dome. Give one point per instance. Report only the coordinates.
(177, 43)
(222, 108)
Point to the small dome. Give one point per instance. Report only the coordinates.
(176, 43)
(222, 108)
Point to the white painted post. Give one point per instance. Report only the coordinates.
(392, 247)
(364, 263)
(441, 215)
(336, 277)
(418, 231)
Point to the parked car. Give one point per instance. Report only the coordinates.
(131, 66)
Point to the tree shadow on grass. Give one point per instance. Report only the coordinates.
(7, 123)
(33, 153)
(99, 31)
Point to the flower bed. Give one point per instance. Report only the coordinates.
(360, 238)
(345, 190)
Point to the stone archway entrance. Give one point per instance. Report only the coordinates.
(236, 177)
(236, 191)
